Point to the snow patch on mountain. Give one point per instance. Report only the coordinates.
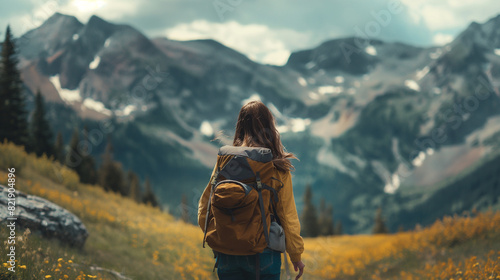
(298, 124)
(290, 124)
(421, 73)
(421, 157)
(253, 97)
(310, 64)
(313, 95)
(107, 42)
(67, 95)
(331, 126)
(339, 79)
(371, 50)
(411, 84)
(302, 81)
(392, 186)
(330, 90)
(127, 110)
(206, 128)
(436, 54)
(75, 37)
(277, 114)
(96, 106)
(392, 180)
(95, 63)
(326, 157)
(201, 150)
(449, 160)
(497, 52)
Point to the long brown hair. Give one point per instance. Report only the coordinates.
(256, 128)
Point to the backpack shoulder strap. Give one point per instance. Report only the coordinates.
(212, 185)
(261, 203)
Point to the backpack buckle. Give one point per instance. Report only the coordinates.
(216, 176)
(259, 182)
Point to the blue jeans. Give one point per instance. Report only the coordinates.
(244, 267)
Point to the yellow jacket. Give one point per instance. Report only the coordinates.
(286, 211)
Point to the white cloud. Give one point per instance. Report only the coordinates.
(278, 57)
(450, 14)
(423, 20)
(258, 42)
(438, 17)
(442, 39)
(107, 9)
(81, 9)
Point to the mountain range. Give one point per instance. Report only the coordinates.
(413, 130)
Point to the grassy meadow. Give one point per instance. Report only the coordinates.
(136, 241)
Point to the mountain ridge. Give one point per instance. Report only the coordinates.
(356, 122)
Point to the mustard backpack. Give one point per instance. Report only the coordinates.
(242, 201)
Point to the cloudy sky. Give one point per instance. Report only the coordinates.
(267, 31)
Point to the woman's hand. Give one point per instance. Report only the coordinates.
(299, 266)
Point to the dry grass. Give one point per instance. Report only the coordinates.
(142, 242)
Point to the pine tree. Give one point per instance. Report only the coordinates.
(133, 186)
(379, 226)
(325, 220)
(117, 179)
(338, 229)
(106, 166)
(322, 212)
(329, 226)
(59, 148)
(13, 116)
(40, 131)
(149, 197)
(87, 170)
(110, 172)
(309, 216)
(184, 209)
(73, 157)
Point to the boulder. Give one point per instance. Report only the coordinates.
(39, 214)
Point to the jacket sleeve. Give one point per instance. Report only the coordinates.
(202, 204)
(287, 212)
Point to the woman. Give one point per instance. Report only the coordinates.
(256, 128)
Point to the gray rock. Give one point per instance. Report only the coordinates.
(41, 215)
